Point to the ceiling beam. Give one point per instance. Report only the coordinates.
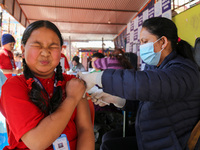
(78, 32)
(83, 8)
(100, 23)
(86, 40)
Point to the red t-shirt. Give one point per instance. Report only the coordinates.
(22, 115)
(7, 61)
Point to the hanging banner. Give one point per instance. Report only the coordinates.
(162, 8)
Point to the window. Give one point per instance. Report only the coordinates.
(179, 6)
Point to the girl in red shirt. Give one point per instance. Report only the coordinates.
(43, 104)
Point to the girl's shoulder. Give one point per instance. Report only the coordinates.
(67, 77)
(15, 84)
(16, 80)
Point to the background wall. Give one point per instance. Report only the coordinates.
(188, 24)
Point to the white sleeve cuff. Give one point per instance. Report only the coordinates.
(99, 79)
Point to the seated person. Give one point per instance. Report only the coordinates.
(76, 66)
(167, 89)
(96, 56)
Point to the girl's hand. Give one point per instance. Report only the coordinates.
(75, 89)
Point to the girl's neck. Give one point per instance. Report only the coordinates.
(44, 76)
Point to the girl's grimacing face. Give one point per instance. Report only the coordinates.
(42, 52)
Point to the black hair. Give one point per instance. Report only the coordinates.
(38, 24)
(76, 59)
(120, 55)
(160, 26)
(98, 55)
(37, 94)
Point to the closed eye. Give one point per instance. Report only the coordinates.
(54, 46)
(36, 46)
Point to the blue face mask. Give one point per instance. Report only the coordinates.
(148, 55)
